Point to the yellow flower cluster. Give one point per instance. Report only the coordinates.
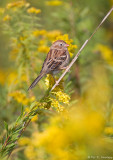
(31, 153)
(7, 18)
(56, 105)
(2, 10)
(106, 53)
(37, 32)
(51, 35)
(49, 81)
(108, 131)
(3, 76)
(60, 96)
(54, 3)
(71, 47)
(64, 138)
(33, 10)
(17, 4)
(34, 119)
(24, 141)
(13, 78)
(43, 49)
(79, 130)
(21, 97)
(45, 37)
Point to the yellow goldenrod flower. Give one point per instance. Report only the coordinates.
(59, 94)
(56, 105)
(42, 42)
(35, 33)
(62, 97)
(65, 37)
(54, 3)
(87, 123)
(76, 130)
(42, 32)
(39, 32)
(22, 38)
(33, 98)
(23, 141)
(3, 76)
(49, 81)
(33, 10)
(106, 53)
(24, 78)
(53, 34)
(21, 97)
(34, 119)
(62, 133)
(2, 10)
(30, 152)
(108, 130)
(7, 18)
(43, 49)
(17, 4)
(27, 109)
(12, 78)
(54, 135)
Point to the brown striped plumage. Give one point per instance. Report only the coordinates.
(56, 60)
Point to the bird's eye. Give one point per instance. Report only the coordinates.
(60, 44)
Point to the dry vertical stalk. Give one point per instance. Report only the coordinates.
(75, 58)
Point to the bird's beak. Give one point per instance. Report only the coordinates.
(66, 45)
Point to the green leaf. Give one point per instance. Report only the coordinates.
(33, 105)
(6, 126)
(22, 110)
(19, 118)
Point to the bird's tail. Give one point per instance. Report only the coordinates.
(36, 81)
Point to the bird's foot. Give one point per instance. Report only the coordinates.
(56, 82)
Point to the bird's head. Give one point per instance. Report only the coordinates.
(59, 44)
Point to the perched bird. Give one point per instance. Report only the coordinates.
(57, 59)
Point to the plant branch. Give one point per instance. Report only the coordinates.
(16, 131)
(85, 43)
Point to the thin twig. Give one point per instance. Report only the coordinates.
(75, 58)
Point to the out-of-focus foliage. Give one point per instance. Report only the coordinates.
(75, 121)
(80, 132)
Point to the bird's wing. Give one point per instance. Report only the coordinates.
(54, 59)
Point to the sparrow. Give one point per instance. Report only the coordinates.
(57, 59)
